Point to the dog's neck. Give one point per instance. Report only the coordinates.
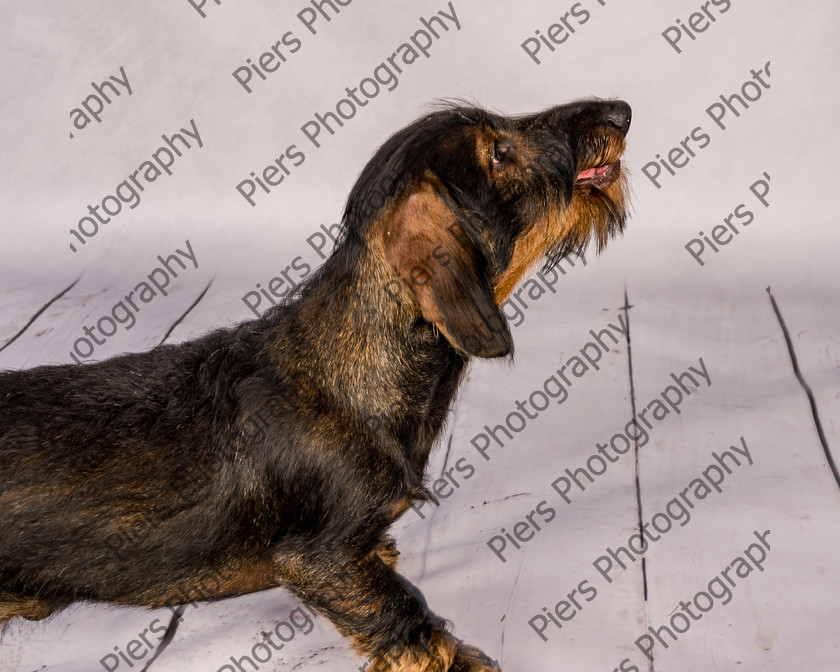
(392, 368)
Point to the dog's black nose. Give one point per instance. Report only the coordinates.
(619, 114)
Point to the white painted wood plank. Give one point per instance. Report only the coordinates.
(787, 490)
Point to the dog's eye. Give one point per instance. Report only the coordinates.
(499, 152)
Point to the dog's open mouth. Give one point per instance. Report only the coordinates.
(600, 176)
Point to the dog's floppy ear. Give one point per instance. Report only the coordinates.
(426, 244)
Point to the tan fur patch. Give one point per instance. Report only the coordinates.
(212, 584)
(417, 244)
(387, 551)
(584, 217)
(470, 659)
(528, 250)
(438, 657)
(435, 260)
(30, 609)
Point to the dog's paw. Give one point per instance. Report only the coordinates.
(470, 659)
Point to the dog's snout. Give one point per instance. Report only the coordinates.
(614, 114)
(619, 115)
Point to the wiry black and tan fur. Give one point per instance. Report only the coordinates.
(141, 480)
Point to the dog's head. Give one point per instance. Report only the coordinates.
(463, 202)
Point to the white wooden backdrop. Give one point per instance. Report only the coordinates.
(179, 66)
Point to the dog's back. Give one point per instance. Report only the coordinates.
(108, 462)
(164, 477)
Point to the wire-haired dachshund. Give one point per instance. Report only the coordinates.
(279, 451)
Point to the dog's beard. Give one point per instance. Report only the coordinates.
(593, 215)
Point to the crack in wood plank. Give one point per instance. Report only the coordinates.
(811, 399)
(38, 314)
(174, 622)
(185, 313)
(626, 308)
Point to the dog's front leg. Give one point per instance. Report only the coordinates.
(381, 612)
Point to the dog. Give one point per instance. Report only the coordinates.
(278, 452)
